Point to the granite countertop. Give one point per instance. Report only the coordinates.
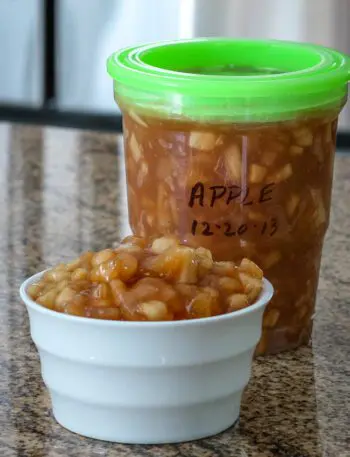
(62, 191)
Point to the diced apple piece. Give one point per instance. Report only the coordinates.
(126, 133)
(101, 291)
(205, 304)
(102, 256)
(251, 268)
(205, 141)
(257, 173)
(79, 274)
(178, 264)
(141, 174)
(127, 266)
(283, 173)
(48, 299)
(164, 243)
(187, 290)
(111, 313)
(189, 266)
(236, 302)
(56, 275)
(135, 148)
(303, 136)
(137, 118)
(164, 215)
(233, 162)
(225, 268)
(73, 264)
(118, 288)
(292, 204)
(252, 286)
(34, 290)
(204, 259)
(134, 241)
(230, 285)
(65, 296)
(320, 211)
(154, 310)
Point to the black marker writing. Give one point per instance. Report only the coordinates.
(218, 192)
(209, 196)
(197, 193)
(265, 191)
(234, 193)
(204, 228)
(245, 198)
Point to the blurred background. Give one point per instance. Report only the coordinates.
(53, 52)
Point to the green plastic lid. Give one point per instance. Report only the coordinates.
(223, 80)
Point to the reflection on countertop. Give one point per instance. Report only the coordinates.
(62, 191)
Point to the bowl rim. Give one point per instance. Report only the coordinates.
(264, 297)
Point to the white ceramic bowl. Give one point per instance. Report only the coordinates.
(146, 382)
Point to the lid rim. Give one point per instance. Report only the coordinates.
(149, 77)
(333, 68)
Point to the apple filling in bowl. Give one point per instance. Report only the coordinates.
(148, 280)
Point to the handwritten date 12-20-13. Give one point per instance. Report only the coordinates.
(204, 228)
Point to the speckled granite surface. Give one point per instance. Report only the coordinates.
(61, 191)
